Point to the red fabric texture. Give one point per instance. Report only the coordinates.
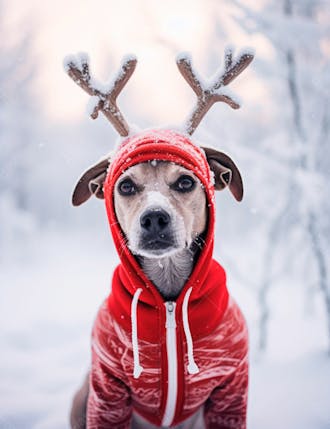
(217, 326)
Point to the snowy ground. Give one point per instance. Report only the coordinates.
(50, 290)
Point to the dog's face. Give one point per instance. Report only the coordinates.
(161, 208)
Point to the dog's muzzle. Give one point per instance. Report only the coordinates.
(156, 230)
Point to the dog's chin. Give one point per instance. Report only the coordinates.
(155, 251)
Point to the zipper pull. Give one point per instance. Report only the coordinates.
(170, 314)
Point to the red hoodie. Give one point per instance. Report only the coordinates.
(165, 360)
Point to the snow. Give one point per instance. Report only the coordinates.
(56, 262)
(46, 312)
(47, 309)
(106, 88)
(214, 85)
(186, 56)
(92, 104)
(227, 92)
(76, 60)
(291, 395)
(248, 50)
(128, 58)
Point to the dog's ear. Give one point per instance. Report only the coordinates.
(91, 183)
(225, 172)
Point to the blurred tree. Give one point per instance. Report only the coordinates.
(299, 227)
(16, 118)
(17, 124)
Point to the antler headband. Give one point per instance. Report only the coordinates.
(207, 95)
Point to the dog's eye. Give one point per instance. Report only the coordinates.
(184, 183)
(127, 187)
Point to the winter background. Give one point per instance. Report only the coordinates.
(56, 261)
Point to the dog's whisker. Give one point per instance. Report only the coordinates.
(199, 241)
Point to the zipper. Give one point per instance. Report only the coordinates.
(172, 364)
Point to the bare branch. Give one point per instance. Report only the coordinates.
(107, 103)
(207, 95)
(184, 65)
(228, 58)
(232, 70)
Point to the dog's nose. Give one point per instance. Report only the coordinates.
(155, 220)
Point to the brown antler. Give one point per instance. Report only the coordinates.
(210, 94)
(106, 98)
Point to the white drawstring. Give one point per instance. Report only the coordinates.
(137, 367)
(192, 367)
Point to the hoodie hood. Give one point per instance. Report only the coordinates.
(207, 275)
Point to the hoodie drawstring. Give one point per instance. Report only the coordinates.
(137, 367)
(192, 367)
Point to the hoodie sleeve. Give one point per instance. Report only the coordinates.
(109, 401)
(227, 404)
(226, 407)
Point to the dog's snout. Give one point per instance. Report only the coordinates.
(156, 233)
(155, 220)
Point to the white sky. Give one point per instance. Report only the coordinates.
(155, 31)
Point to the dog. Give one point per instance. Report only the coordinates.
(169, 344)
(161, 214)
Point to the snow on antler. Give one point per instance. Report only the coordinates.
(105, 98)
(207, 95)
